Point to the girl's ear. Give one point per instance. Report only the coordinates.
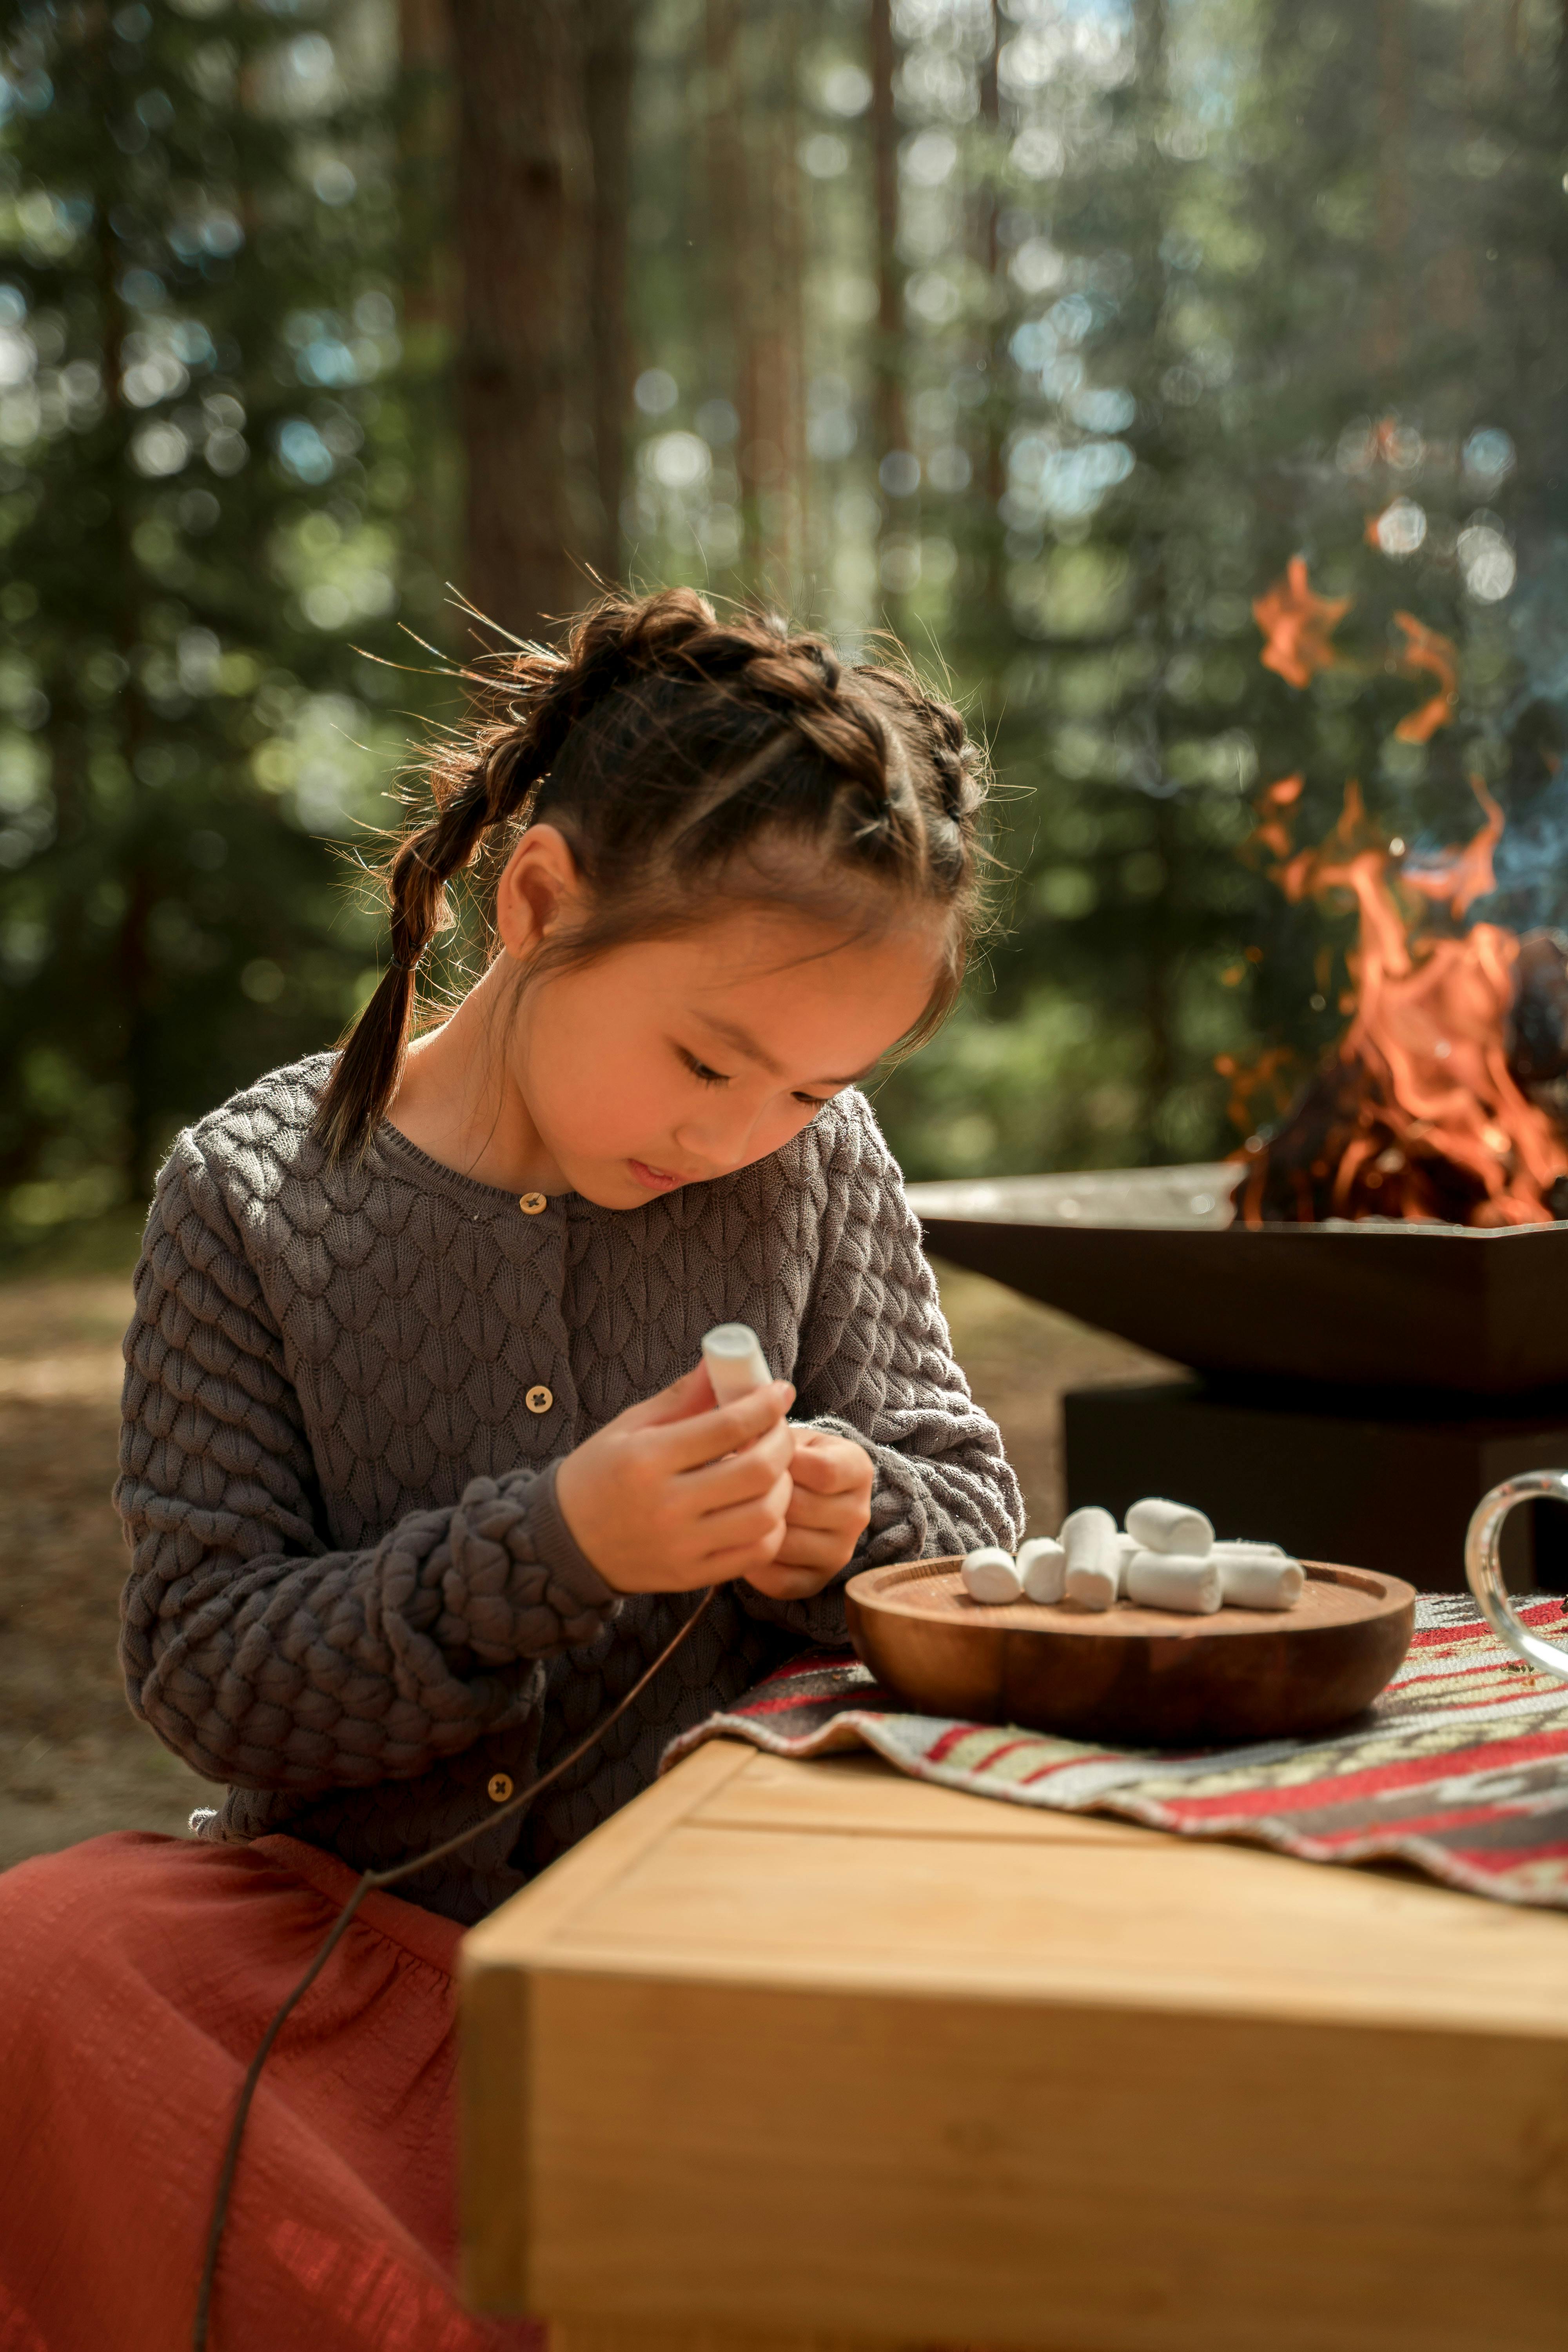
(541, 888)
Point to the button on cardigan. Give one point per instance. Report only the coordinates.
(354, 1598)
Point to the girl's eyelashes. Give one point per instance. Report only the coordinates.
(700, 1069)
(705, 1076)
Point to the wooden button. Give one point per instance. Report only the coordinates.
(539, 1400)
(531, 1203)
(500, 1786)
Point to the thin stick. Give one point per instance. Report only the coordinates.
(248, 2092)
(372, 1882)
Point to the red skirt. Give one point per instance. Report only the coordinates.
(137, 1976)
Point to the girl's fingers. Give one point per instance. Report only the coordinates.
(826, 1514)
(677, 1576)
(838, 1525)
(691, 1393)
(739, 1478)
(759, 1519)
(829, 1547)
(780, 1582)
(830, 1470)
(701, 1437)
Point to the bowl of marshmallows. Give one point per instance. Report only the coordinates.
(1165, 1557)
(1153, 1634)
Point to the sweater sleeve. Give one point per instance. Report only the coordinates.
(256, 1653)
(876, 1364)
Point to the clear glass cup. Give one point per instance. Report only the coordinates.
(1484, 1568)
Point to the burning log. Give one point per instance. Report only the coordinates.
(1341, 1152)
(1538, 1050)
(1447, 1098)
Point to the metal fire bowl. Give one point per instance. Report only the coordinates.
(1153, 1255)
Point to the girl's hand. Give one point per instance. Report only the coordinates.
(829, 1510)
(664, 1499)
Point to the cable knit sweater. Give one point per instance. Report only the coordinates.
(353, 1595)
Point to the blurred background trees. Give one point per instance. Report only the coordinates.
(1046, 334)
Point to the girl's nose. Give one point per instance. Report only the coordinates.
(719, 1139)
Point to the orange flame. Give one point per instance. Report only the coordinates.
(1273, 1076)
(1427, 1046)
(1273, 832)
(1297, 625)
(1428, 650)
(1463, 875)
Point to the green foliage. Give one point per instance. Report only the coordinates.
(1183, 294)
(1198, 290)
(202, 459)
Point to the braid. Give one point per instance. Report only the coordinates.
(665, 742)
(473, 798)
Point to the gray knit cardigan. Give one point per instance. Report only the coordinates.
(353, 1596)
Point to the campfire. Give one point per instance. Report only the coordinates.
(1444, 1102)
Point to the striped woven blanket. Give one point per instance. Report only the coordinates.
(1460, 1768)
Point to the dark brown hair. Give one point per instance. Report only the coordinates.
(679, 753)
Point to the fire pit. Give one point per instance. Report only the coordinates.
(1157, 1256)
(1375, 1290)
(1363, 1386)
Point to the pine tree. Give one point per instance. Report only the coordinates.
(202, 462)
(1285, 282)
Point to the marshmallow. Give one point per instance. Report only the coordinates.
(1165, 1579)
(1042, 1564)
(991, 1575)
(1160, 1526)
(1255, 1577)
(1093, 1558)
(735, 1361)
(1127, 1545)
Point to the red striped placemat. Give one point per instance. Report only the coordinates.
(1461, 1768)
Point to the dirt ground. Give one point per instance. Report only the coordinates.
(73, 1760)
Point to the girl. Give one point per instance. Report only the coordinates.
(419, 1477)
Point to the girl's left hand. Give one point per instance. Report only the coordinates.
(828, 1512)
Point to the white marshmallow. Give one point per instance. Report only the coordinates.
(1127, 1545)
(1164, 1579)
(1093, 1558)
(1252, 1578)
(1161, 1526)
(735, 1361)
(991, 1575)
(1042, 1564)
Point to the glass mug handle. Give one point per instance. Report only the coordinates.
(1484, 1568)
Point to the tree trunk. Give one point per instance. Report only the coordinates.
(888, 376)
(608, 26)
(1392, 180)
(135, 858)
(521, 175)
(890, 423)
(426, 150)
(1160, 922)
(425, 139)
(724, 205)
(776, 334)
(992, 470)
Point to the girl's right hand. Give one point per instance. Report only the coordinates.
(664, 1499)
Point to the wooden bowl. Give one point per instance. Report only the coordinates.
(1136, 1677)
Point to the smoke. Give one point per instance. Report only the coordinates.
(1530, 861)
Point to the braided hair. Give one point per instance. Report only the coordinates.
(678, 753)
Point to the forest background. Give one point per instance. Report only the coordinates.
(1046, 334)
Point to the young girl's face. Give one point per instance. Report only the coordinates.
(669, 1062)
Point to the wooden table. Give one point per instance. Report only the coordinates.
(796, 2057)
